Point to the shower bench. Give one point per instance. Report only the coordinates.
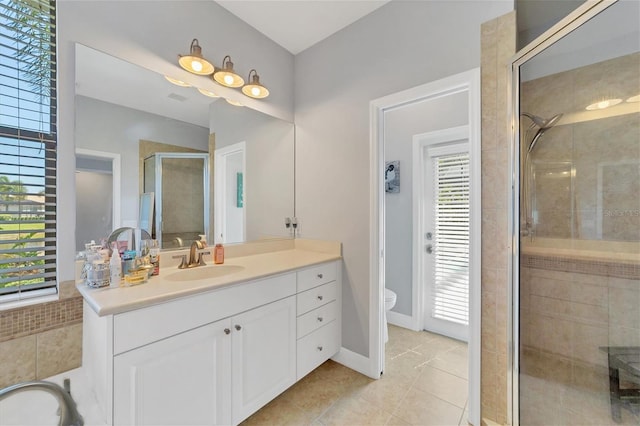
(626, 359)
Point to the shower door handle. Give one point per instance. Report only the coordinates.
(429, 248)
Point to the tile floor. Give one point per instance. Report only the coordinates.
(424, 383)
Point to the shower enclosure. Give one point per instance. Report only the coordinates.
(576, 223)
(180, 183)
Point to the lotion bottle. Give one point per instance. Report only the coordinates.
(115, 267)
(218, 254)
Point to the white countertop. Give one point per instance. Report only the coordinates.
(107, 301)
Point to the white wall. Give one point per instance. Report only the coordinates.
(400, 125)
(102, 126)
(151, 34)
(401, 45)
(268, 179)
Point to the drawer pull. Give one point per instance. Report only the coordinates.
(227, 331)
(320, 319)
(320, 276)
(238, 327)
(320, 348)
(320, 297)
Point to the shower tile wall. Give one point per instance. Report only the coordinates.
(596, 197)
(498, 40)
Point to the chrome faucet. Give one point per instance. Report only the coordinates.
(69, 415)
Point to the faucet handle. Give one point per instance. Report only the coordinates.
(201, 253)
(183, 262)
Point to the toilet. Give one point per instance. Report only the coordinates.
(389, 302)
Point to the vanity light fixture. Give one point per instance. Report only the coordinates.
(227, 76)
(194, 62)
(234, 103)
(635, 98)
(177, 82)
(254, 89)
(208, 93)
(604, 103)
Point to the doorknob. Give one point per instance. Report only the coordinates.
(429, 248)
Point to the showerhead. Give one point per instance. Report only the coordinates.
(543, 123)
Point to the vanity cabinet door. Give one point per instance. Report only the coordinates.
(264, 355)
(182, 380)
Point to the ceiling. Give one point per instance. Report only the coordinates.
(299, 24)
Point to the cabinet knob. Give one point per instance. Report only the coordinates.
(238, 327)
(320, 348)
(320, 319)
(319, 275)
(227, 331)
(320, 297)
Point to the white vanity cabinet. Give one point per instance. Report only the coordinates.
(215, 357)
(181, 380)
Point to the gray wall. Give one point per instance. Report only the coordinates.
(401, 45)
(151, 34)
(268, 180)
(400, 125)
(102, 126)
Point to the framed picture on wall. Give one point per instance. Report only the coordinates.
(392, 177)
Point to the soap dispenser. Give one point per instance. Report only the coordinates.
(218, 254)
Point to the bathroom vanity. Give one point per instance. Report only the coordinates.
(216, 347)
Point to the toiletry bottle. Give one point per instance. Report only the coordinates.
(218, 254)
(115, 267)
(154, 254)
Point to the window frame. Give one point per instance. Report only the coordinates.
(13, 296)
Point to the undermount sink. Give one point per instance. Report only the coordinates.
(203, 272)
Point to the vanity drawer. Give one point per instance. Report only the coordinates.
(318, 275)
(317, 347)
(317, 318)
(317, 297)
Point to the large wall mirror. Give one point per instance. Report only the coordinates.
(128, 118)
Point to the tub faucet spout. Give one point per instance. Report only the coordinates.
(69, 415)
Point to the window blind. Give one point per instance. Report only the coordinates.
(27, 148)
(451, 217)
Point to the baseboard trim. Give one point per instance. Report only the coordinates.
(354, 361)
(401, 320)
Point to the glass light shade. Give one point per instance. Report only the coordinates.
(234, 103)
(208, 93)
(227, 76)
(194, 62)
(177, 82)
(255, 89)
(605, 103)
(635, 98)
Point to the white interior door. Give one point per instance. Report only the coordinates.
(445, 226)
(230, 183)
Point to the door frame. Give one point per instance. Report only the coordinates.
(220, 187)
(468, 81)
(425, 141)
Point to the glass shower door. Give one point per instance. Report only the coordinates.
(578, 276)
(181, 186)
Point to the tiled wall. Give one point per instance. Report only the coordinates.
(587, 165)
(498, 46)
(41, 340)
